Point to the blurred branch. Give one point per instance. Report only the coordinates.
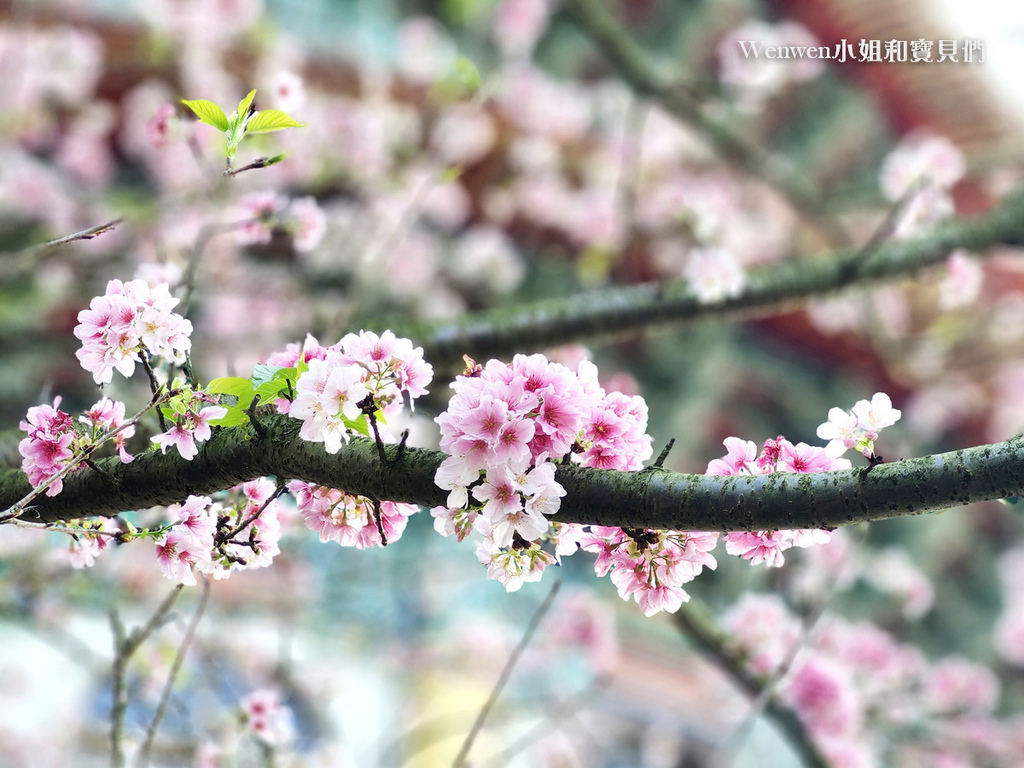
(634, 66)
(506, 673)
(696, 622)
(125, 646)
(24, 259)
(627, 309)
(85, 234)
(654, 498)
(143, 757)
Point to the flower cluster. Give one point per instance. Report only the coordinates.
(191, 415)
(267, 213)
(88, 541)
(866, 699)
(53, 441)
(349, 520)
(859, 427)
(362, 373)
(650, 566)
(927, 167)
(129, 320)
(778, 455)
(503, 428)
(219, 538)
(267, 718)
(752, 79)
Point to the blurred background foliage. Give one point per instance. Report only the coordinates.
(569, 184)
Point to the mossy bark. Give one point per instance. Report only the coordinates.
(648, 499)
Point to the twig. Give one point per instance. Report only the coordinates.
(147, 745)
(660, 461)
(206, 233)
(125, 647)
(506, 673)
(154, 385)
(562, 710)
(260, 430)
(696, 621)
(769, 684)
(255, 515)
(369, 407)
(260, 162)
(19, 261)
(85, 234)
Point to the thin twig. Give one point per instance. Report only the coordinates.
(118, 692)
(85, 234)
(255, 515)
(553, 715)
(260, 430)
(154, 385)
(506, 673)
(206, 233)
(260, 162)
(89, 233)
(125, 647)
(147, 745)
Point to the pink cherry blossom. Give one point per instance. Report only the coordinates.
(131, 319)
(177, 552)
(196, 518)
(758, 546)
(921, 158)
(739, 460)
(267, 718)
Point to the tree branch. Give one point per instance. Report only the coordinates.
(627, 309)
(696, 621)
(633, 65)
(650, 499)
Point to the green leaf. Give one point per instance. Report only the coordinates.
(262, 373)
(360, 425)
(273, 390)
(451, 173)
(235, 417)
(208, 113)
(244, 104)
(468, 74)
(271, 120)
(230, 385)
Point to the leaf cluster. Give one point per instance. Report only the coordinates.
(243, 121)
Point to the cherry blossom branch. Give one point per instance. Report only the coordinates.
(622, 310)
(696, 621)
(16, 509)
(654, 498)
(633, 65)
